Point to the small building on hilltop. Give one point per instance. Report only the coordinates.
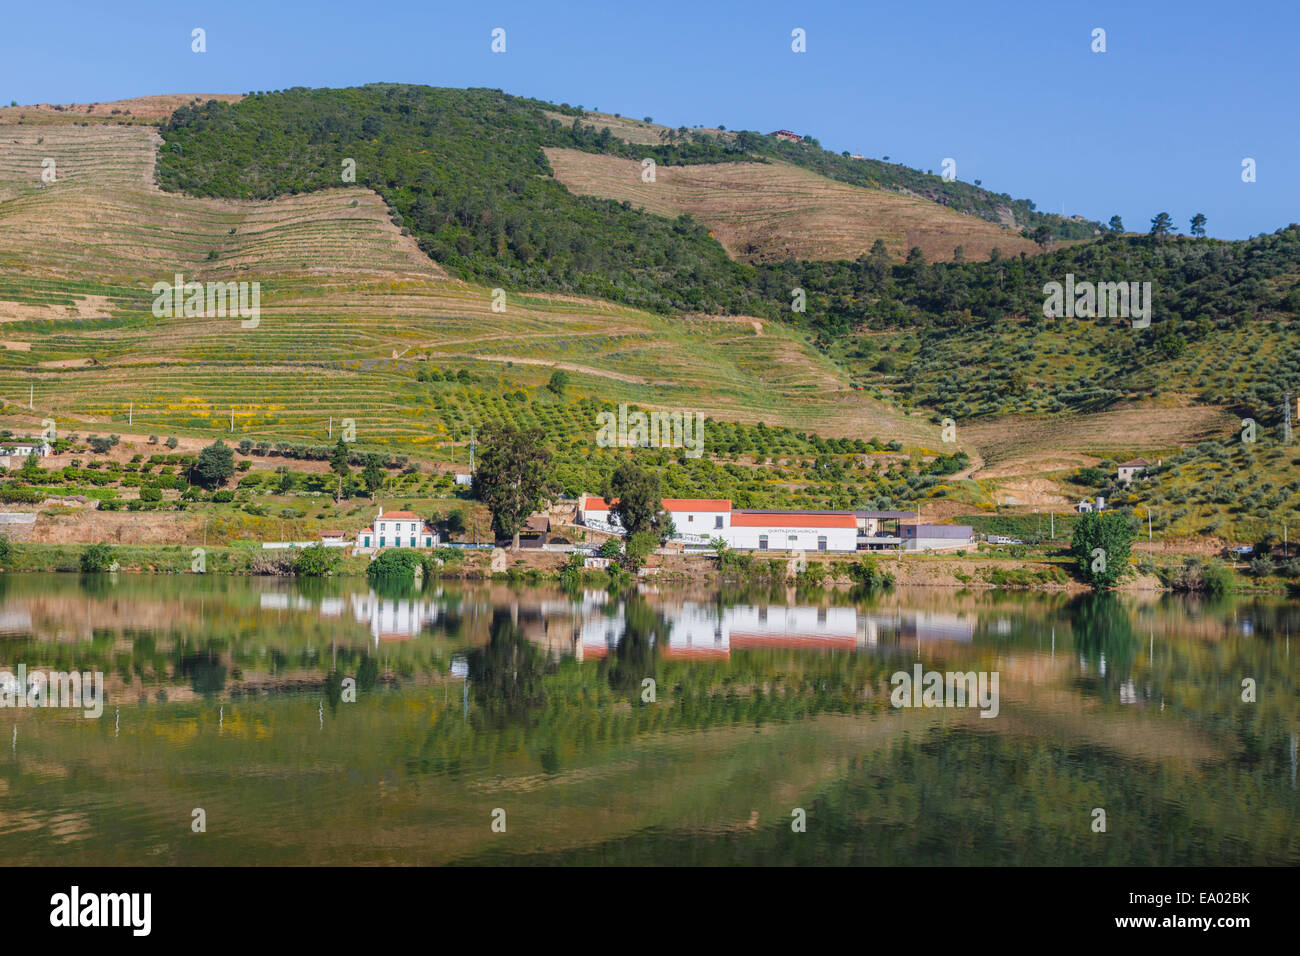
(1131, 469)
(788, 136)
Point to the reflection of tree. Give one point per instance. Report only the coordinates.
(1102, 627)
(333, 690)
(634, 658)
(206, 671)
(506, 675)
(96, 585)
(367, 673)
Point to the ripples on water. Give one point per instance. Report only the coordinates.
(321, 723)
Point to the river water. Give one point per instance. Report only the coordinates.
(255, 721)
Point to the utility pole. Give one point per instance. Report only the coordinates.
(31, 396)
(331, 428)
(1053, 525)
(1148, 524)
(472, 444)
(130, 413)
(232, 419)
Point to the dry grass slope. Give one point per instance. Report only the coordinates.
(103, 216)
(765, 212)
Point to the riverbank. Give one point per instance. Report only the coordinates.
(979, 571)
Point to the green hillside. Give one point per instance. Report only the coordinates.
(464, 172)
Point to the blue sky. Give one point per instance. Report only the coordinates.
(1011, 90)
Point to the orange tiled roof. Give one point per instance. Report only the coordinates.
(793, 519)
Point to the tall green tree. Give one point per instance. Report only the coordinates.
(640, 504)
(339, 459)
(215, 464)
(1198, 225)
(1162, 225)
(513, 476)
(1100, 548)
(559, 381)
(373, 474)
(1116, 224)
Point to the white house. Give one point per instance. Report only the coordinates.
(793, 531)
(13, 450)
(697, 520)
(1129, 470)
(397, 529)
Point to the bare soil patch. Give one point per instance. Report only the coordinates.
(766, 212)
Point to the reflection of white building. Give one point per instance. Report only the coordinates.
(911, 626)
(800, 626)
(393, 618)
(386, 618)
(696, 629)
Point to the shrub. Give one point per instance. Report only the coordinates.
(151, 494)
(96, 558)
(317, 561)
(14, 494)
(397, 564)
(273, 562)
(223, 496)
(1262, 566)
(868, 573)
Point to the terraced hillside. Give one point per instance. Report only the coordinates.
(771, 212)
(103, 216)
(350, 310)
(357, 322)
